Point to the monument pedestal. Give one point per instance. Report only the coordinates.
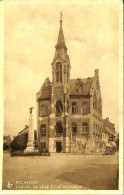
(30, 144)
(30, 147)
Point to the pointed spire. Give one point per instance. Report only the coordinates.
(61, 40)
(61, 16)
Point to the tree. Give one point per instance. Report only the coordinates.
(19, 142)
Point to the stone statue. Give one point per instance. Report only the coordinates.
(31, 110)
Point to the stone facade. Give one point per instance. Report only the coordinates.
(69, 114)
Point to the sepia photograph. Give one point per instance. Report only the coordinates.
(63, 128)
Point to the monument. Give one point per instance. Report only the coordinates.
(30, 144)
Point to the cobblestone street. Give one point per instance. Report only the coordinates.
(61, 171)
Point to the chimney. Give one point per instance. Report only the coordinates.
(26, 126)
(107, 118)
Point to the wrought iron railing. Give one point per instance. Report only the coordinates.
(58, 134)
(85, 133)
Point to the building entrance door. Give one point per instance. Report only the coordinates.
(58, 146)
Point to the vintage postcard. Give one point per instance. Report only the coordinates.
(62, 97)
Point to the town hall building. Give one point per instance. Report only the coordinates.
(69, 117)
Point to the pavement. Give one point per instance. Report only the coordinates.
(60, 171)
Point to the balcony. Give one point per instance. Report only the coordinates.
(58, 134)
(84, 133)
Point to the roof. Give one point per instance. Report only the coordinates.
(61, 40)
(77, 87)
(105, 131)
(26, 127)
(45, 91)
(107, 123)
(25, 130)
(80, 86)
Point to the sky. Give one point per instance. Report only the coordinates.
(91, 31)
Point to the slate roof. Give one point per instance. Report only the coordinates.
(80, 86)
(77, 87)
(105, 131)
(61, 39)
(45, 91)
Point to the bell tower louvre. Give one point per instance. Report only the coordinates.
(61, 62)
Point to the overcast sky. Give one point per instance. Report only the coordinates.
(31, 31)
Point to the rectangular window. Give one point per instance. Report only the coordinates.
(84, 128)
(73, 108)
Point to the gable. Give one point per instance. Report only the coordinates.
(57, 57)
(45, 91)
(80, 86)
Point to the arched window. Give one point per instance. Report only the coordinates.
(58, 72)
(74, 128)
(43, 110)
(43, 130)
(84, 128)
(73, 108)
(84, 108)
(59, 128)
(59, 108)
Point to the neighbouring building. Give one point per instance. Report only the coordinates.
(25, 130)
(105, 138)
(69, 117)
(109, 129)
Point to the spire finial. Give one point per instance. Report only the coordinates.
(61, 40)
(61, 16)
